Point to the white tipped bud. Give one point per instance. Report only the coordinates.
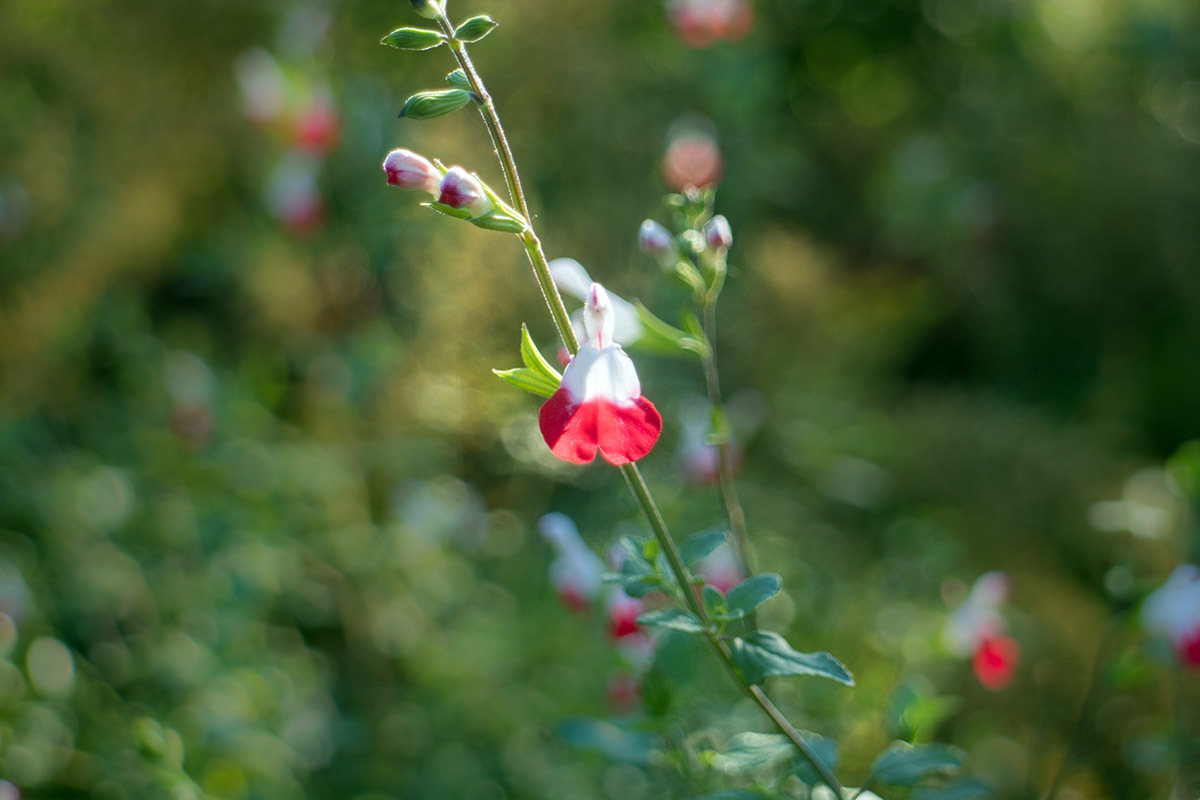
(598, 318)
(717, 233)
(429, 9)
(655, 239)
(461, 189)
(408, 170)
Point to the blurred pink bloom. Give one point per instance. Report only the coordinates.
(292, 194)
(263, 85)
(1173, 611)
(316, 129)
(692, 159)
(701, 23)
(624, 691)
(623, 612)
(578, 573)
(599, 404)
(976, 630)
(721, 569)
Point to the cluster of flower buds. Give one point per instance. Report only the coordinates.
(701, 23)
(1173, 611)
(976, 630)
(456, 192)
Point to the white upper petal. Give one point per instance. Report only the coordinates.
(570, 277)
(606, 374)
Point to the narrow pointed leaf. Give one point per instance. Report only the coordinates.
(902, 764)
(532, 358)
(413, 39)
(495, 221)
(698, 545)
(751, 593)
(672, 618)
(527, 380)
(761, 654)
(427, 105)
(458, 80)
(449, 211)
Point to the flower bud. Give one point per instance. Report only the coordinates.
(717, 233)
(429, 9)
(461, 189)
(408, 170)
(655, 239)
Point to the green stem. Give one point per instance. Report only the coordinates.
(633, 476)
(733, 505)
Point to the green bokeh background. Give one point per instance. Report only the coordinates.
(965, 290)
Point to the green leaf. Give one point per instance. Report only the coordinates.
(499, 221)
(413, 39)
(458, 80)
(699, 545)
(902, 764)
(665, 339)
(825, 748)
(762, 654)
(965, 789)
(527, 380)
(751, 593)
(427, 105)
(673, 618)
(449, 211)
(475, 28)
(607, 738)
(746, 750)
(533, 358)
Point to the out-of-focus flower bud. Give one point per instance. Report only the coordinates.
(409, 170)
(292, 193)
(692, 158)
(461, 189)
(655, 239)
(717, 233)
(429, 9)
(317, 128)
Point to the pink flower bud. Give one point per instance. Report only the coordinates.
(717, 233)
(655, 239)
(408, 170)
(461, 189)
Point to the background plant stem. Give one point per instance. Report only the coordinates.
(633, 476)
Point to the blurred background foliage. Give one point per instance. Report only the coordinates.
(267, 519)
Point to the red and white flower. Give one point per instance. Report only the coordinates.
(1173, 611)
(577, 573)
(976, 630)
(599, 404)
(701, 23)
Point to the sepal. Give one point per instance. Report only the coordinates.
(413, 39)
(458, 80)
(475, 28)
(427, 105)
(665, 339)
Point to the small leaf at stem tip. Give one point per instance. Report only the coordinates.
(458, 79)
(902, 764)
(475, 28)
(751, 593)
(695, 547)
(427, 105)
(761, 654)
(673, 619)
(413, 39)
